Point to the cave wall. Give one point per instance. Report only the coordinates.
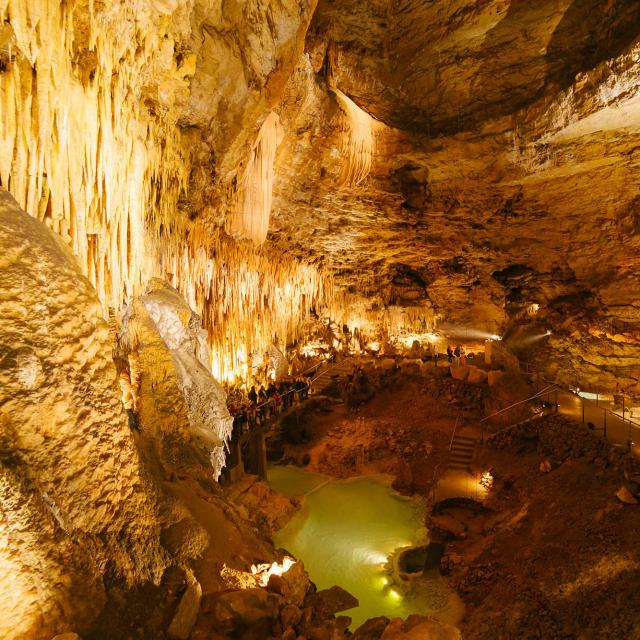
(133, 150)
(76, 502)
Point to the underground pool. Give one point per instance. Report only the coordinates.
(345, 532)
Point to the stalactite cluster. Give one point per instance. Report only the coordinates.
(80, 151)
(78, 148)
(247, 298)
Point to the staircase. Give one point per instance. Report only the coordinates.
(461, 452)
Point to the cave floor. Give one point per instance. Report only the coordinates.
(550, 556)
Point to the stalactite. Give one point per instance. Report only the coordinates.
(246, 297)
(358, 140)
(81, 152)
(250, 217)
(85, 157)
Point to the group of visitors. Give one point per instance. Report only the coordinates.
(259, 406)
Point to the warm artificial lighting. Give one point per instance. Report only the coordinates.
(314, 349)
(486, 480)
(264, 571)
(495, 337)
(532, 309)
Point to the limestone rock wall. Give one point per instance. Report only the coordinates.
(75, 500)
(170, 344)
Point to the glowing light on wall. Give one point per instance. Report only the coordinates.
(264, 571)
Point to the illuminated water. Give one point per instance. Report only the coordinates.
(344, 532)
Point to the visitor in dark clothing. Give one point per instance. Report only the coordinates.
(253, 396)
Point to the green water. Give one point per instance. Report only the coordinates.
(344, 533)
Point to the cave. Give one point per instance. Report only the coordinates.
(319, 319)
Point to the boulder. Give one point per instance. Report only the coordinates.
(459, 372)
(476, 376)
(387, 364)
(420, 628)
(235, 612)
(331, 601)
(291, 585)
(493, 376)
(545, 466)
(624, 495)
(497, 355)
(506, 392)
(372, 629)
(290, 616)
(449, 526)
(187, 612)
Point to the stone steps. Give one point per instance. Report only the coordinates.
(461, 452)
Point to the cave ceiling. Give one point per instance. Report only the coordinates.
(472, 158)
(508, 136)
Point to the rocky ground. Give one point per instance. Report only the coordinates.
(553, 551)
(403, 429)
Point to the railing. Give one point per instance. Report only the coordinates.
(455, 427)
(268, 402)
(616, 428)
(538, 394)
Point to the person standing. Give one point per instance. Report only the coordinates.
(450, 353)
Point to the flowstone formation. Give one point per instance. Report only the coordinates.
(161, 322)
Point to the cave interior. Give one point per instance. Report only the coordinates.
(248, 244)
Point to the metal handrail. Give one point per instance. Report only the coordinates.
(306, 386)
(515, 404)
(534, 371)
(455, 426)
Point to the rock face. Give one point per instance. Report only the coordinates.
(73, 494)
(159, 324)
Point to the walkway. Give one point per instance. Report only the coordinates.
(252, 441)
(619, 431)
